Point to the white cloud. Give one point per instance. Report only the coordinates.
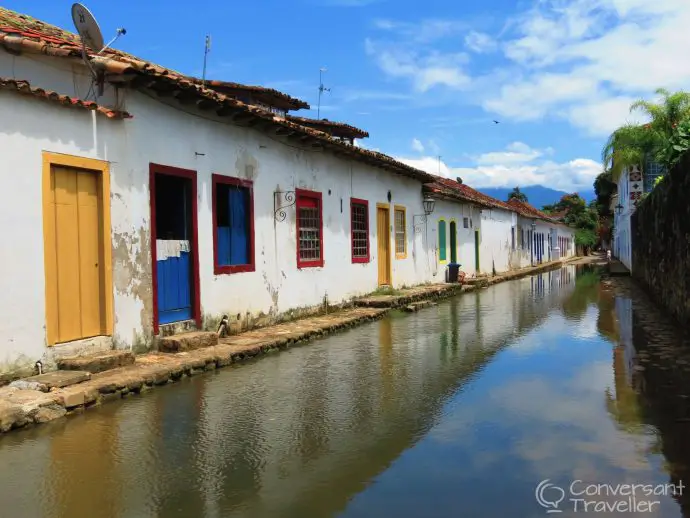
(423, 31)
(479, 42)
(515, 153)
(582, 61)
(426, 71)
(586, 60)
(518, 164)
(417, 145)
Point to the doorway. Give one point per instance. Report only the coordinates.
(174, 248)
(453, 242)
(476, 251)
(77, 248)
(384, 244)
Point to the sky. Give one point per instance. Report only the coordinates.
(428, 78)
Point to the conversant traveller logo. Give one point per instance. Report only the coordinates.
(580, 497)
(549, 496)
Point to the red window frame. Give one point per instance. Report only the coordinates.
(365, 204)
(218, 269)
(307, 199)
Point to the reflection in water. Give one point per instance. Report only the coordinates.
(427, 414)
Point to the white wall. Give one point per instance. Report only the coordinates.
(452, 211)
(167, 135)
(496, 251)
(621, 227)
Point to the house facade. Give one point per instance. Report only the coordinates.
(163, 204)
(539, 237)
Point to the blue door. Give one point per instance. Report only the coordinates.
(174, 276)
(174, 259)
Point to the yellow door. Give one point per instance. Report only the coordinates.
(384, 245)
(77, 213)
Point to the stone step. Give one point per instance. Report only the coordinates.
(187, 341)
(98, 362)
(50, 380)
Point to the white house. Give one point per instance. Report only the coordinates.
(165, 204)
(540, 237)
(630, 190)
(140, 202)
(470, 228)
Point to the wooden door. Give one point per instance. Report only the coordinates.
(453, 242)
(476, 250)
(76, 252)
(384, 245)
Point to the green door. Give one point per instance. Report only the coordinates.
(476, 250)
(453, 242)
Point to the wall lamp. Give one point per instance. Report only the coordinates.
(418, 220)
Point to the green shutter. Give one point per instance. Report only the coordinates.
(442, 240)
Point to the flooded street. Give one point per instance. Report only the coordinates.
(459, 410)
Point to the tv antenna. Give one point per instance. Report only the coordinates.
(322, 89)
(207, 49)
(91, 37)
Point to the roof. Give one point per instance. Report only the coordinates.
(267, 96)
(336, 129)
(21, 33)
(459, 191)
(23, 87)
(525, 209)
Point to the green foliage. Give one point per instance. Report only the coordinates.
(517, 194)
(585, 237)
(676, 146)
(665, 137)
(604, 188)
(658, 180)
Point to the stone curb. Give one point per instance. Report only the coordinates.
(21, 408)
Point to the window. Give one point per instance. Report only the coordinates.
(512, 238)
(441, 240)
(233, 225)
(400, 233)
(520, 237)
(466, 222)
(309, 229)
(359, 218)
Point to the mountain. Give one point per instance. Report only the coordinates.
(537, 195)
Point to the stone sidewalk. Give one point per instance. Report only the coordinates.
(22, 407)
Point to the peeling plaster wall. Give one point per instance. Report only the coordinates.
(170, 136)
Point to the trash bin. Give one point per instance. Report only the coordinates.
(453, 270)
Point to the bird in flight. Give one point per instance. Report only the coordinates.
(496, 122)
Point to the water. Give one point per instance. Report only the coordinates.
(458, 410)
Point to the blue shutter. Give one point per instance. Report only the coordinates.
(239, 246)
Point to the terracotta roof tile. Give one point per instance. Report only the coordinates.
(462, 192)
(23, 87)
(336, 129)
(527, 210)
(268, 95)
(23, 33)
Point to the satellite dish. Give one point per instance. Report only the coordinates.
(87, 27)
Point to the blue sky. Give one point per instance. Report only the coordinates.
(428, 78)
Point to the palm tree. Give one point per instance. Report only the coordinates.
(665, 115)
(628, 146)
(631, 144)
(517, 194)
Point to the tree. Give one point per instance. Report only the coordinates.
(630, 144)
(517, 194)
